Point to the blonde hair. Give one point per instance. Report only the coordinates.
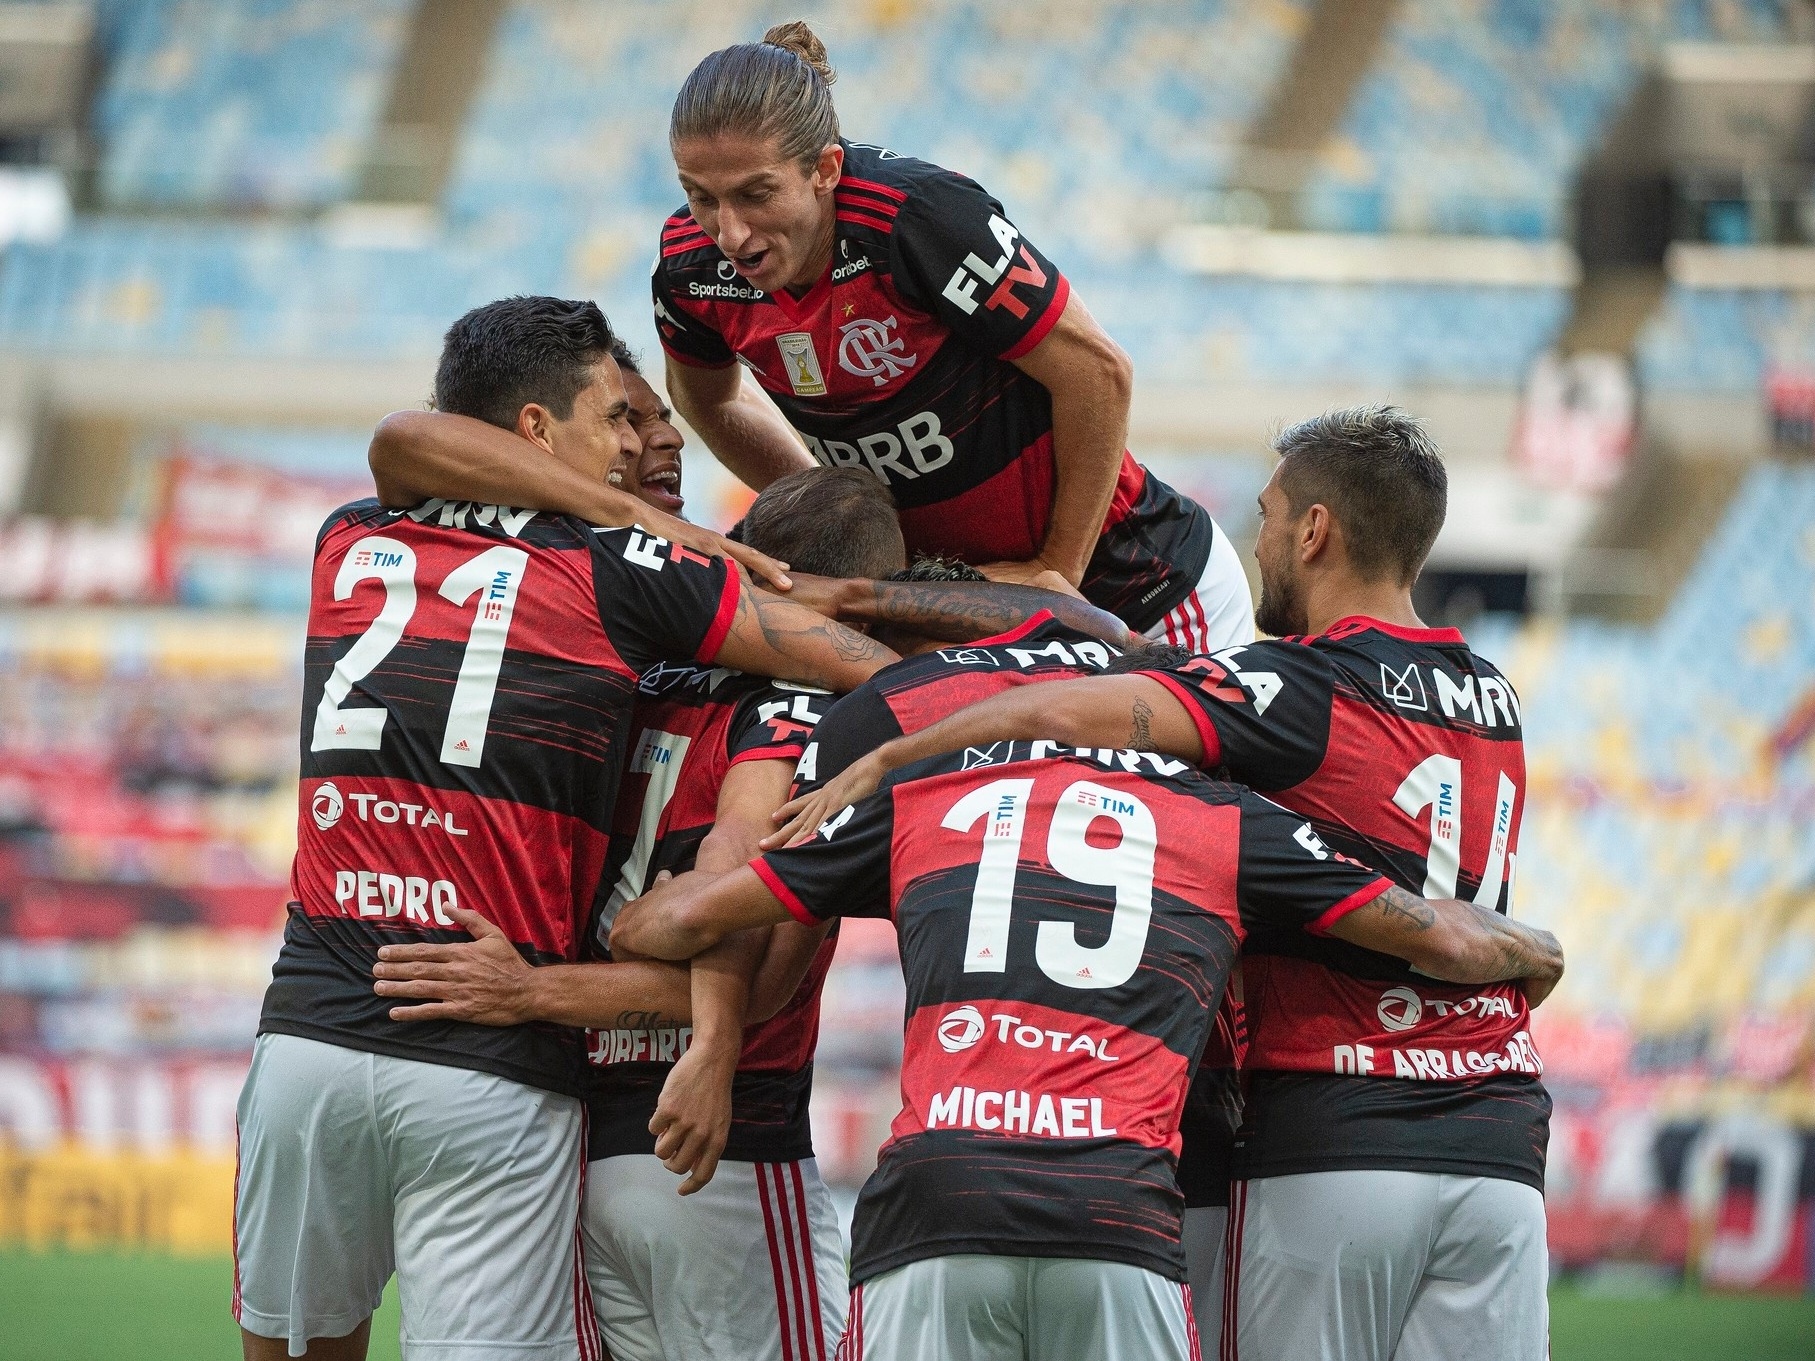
(779, 88)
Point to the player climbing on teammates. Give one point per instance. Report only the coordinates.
(902, 324)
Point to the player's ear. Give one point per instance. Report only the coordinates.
(1316, 531)
(828, 169)
(536, 423)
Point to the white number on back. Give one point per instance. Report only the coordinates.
(1126, 867)
(659, 756)
(1436, 783)
(496, 574)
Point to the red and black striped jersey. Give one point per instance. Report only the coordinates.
(899, 361)
(1405, 751)
(917, 692)
(468, 682)
(1067, 922)
(692, 724)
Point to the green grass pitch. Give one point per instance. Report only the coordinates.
(101, 1306)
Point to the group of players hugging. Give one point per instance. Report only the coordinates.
(1217, 1022)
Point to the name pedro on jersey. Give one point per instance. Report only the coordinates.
(1031, 1113)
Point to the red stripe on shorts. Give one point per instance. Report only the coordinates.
(775, 1267)
(815, 1321)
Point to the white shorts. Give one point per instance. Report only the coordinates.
(974, 1308)
(352, 1165)
(750, 1266)
(1367, 1266)
(1219, 612)
(1205, 1228)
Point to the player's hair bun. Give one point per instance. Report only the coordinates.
(796, 37)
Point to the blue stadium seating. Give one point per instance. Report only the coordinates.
(1477, 114)
(1724, 340)
(241, 103)
(1662, 838)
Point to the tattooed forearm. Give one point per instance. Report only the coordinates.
(1407, 909)
(645, 1020)
(798, 633)
(961, 612)
(1140, 735)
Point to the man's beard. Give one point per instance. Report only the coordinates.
(1281, 611)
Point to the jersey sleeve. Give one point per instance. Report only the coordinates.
(660, 601)
(1290, 878)
(843, 871)
(856, 724)
(1262, 711)
(775, 724)
(954, 253)
(684, 334)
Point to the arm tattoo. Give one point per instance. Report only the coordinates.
(794, 631)
(1140, 737)
(961, 612)
(1414, 911)
(644, 1020)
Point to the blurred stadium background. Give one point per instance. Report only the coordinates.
(1578, 236)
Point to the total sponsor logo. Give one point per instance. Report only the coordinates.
(1401, 1008)
(662, 1044)
(918, 440)
(966, 1027)
(1017, 1112)
(375, 893)
(329, 804)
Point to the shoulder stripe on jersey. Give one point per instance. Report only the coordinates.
(1206, 730)
(863, 219)
(887, 191)
(1360, 898)
(683, 228)
(1048, 320)
(789, 899)
(682, 219)
(686, 246)
(721, 622)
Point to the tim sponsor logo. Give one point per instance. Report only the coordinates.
(374, 893)
(1016, 1112)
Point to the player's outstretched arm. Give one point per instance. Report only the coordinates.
(487, 982)
(1455, 941)
(418, 454)
(693, 912)
(1091, 711)
(957, 611)
(738, 422)
(772, 636)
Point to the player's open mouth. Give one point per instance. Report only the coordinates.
(749, 264)
(662, 488)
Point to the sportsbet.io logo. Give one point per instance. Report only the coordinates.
(960, 1030)
(327, 806)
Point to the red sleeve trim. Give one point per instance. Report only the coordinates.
(1014, 635)
(789, 899)
(1048, 319)
(769, 754)
(1358, 899)
(1206, 730)
(721, 622)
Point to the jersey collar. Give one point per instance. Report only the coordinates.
(1355, 623)
(1014, 635)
